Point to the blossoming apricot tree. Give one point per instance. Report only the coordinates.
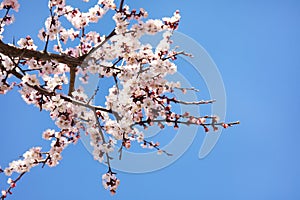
(141, 95)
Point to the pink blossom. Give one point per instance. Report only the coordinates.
(31, 79)
(10, 4)
(4, 193)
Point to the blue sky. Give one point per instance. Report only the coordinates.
(255, 45)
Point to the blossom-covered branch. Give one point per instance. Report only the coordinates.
(46, 77)
(35, 156)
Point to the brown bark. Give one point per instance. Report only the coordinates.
(13, 51)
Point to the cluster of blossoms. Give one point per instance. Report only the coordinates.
(141, 95)
(31, 158)
(110, 182)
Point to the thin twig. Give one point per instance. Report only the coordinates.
(121, 5)
(157, 147)
(195, 102)
(103, 140)
(6, 13)
(8, 191)
(192, 89)
(93, 96)
(48, 36)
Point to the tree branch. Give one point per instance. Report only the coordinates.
(66, 98)
(110, 35)
(72, 81)
(13, 51)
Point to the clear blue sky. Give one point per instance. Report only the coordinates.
(256, 46)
